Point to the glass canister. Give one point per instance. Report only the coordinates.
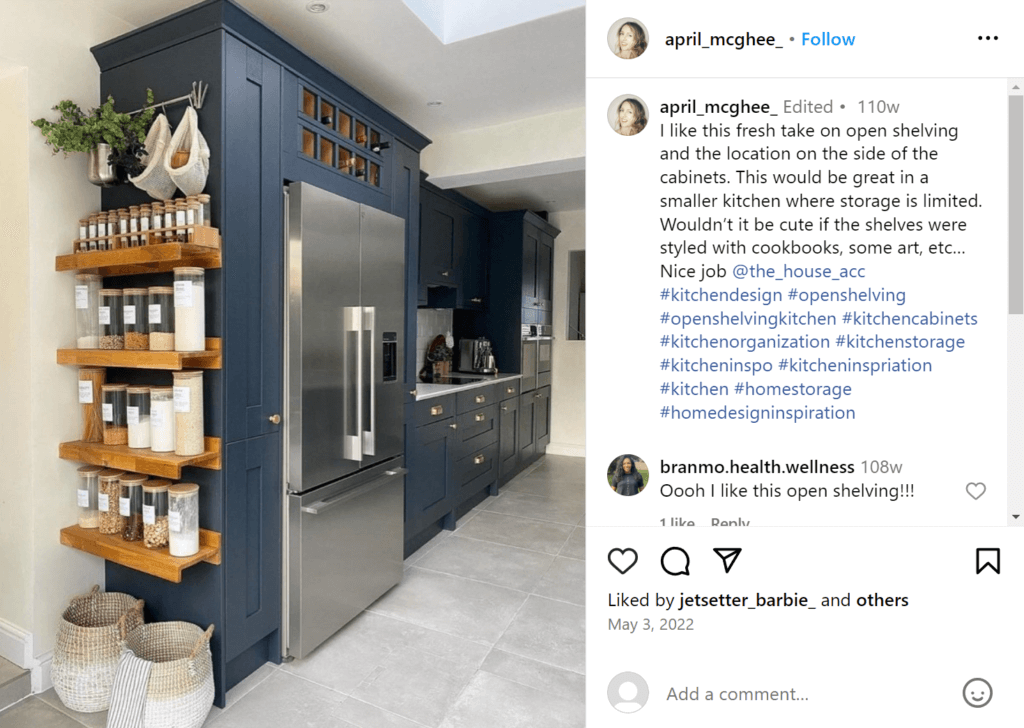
(188, 413)
(83, 228)
(101, 230)
(181, 220)
(204, 210)
(115, 414)
(170, 235)
(131, 506)
(90, 396)
(136, 318)
(161, 419)
(87, 310)
(133, 226)
(161, 318)
(109, 502)
(93, 227)
(123, 239)
(112, 240)
(154, 513)
(145, 218)
(183, 519)
(138, 417)
(111, 316)
(156, 222)
(189, 309)
(88, 496)
(191, 218)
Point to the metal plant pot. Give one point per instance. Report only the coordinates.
(101, 173)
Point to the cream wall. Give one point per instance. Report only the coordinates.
(568, 358)
(49, 41)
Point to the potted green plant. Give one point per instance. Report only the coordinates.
(114, 141)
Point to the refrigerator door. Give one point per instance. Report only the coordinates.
(344, 551)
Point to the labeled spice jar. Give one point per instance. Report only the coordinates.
(161, 419)
(161, 318)
(191, 214)
(138, 417)
(204, 210)
(115, 414)
(189, 309)
(108, 502)
(83, 228)
(90, 396)
(93, 227)
(136, 316)
(145, 214)
(111, 317)
(154, 513)
(112, 239)
(131, 506)
(188, 413)
(156, 221)
(87, 310)
(101, 230)
(123, 238)
(183, 519)
(133, 226)
(87, 495)
(170, 235)
(181, 221)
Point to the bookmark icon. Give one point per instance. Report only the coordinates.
(728, 557)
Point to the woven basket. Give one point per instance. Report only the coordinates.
(180, 691)
(89, 646)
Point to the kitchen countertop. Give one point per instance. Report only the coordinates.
(426, 391)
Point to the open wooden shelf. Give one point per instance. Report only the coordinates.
(122, 457)
(135, 555)
(130, 359)
(149, 259)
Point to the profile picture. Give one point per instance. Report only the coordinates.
(627, 115)
(627, 475)
(627, 38)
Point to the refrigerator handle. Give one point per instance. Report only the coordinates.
(370, 326)
(353, 414)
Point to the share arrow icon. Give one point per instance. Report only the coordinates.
(728, 557)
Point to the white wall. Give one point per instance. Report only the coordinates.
(49, 40)
(568, 358)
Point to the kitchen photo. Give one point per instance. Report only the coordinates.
(294, 358)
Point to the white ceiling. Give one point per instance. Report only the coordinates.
(455, 20)
(383, 49)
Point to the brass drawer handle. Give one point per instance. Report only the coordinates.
(480, 417)
(478, 459)
(537, 396)
(510, 390)
(436, 410)
(480, 399)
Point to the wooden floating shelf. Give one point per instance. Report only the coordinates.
(149, 259)
(130, 359)
(135, 555)
(122, 457)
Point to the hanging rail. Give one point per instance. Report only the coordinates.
(195, 98)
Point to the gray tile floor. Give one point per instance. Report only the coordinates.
(486, 629)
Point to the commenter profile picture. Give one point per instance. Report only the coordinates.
(627, 115)
(628, 475)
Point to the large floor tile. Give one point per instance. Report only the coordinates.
(539, 508)
(548, 631)
(525, 533)
(363, 715)
(364, 644)
(91, 720)
(35, 713)
(565, 580)
(495, 702)
(537, 675)
(548, 487)
(250, 683)
(286, 700)
(453, 605)
(576, 546)
(493, 563)
(427, 548)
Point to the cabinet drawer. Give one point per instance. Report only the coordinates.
(477, 470)
(434, 409)
(475, 398)
(476, 429)
(508, 390)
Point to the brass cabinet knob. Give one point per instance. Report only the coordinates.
(477, 300)
(275, 419)
(504, 408)
(445, 273)
(412, 392)
(480, 417)
(436, 410)
(478, 459)
(480, 399)
(454, 425)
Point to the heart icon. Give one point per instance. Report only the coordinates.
(622, 559)
(976, 490)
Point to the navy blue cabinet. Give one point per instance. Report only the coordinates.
(429, 484)
(454, 250)
(508, 438)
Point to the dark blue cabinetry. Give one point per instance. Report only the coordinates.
(454, 250)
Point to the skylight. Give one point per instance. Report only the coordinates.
(455, 20)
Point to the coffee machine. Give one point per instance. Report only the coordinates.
(476, 355)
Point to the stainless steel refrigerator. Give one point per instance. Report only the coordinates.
(344, 437)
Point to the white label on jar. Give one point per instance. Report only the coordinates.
(144, 222)
(83, 231)
(105, 315)
(149, 515)
(182, 399)
(92, 230)
(81, 296)
(174, 521)
(133, 415)
(179, 217)
(129, 315)
(190, 217)
(104, 502)
(101, 229)
(122, 224)
(108, 412)
(133, 224)
(83, 498)
(154, 313)
(85, 393)
(182, 294)
(156, 418)
(126, 506)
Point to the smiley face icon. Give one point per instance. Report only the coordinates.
(977, 692)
